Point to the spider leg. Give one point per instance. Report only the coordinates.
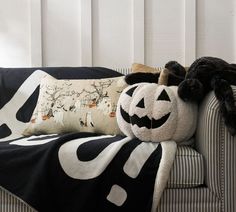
(224, 95)
(141, 77)
(229, 74)
(176, 69)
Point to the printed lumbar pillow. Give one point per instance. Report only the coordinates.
(76, 105)
(155, 113)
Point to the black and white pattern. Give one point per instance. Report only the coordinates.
(86, 172)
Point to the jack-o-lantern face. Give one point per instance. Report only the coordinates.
(147, 122)
(152, 112)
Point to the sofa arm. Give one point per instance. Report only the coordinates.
(218, 148)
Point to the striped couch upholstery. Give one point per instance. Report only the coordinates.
(187, 170)
(217, 150)
(10, 203)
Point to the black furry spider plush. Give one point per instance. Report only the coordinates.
(210, 73)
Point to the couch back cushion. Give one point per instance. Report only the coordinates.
(19, 90)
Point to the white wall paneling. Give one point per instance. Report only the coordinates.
(86, 32)
(215, 28)
(61, 32)
(15, 33)
(164, 31)
(115, 33)
(112, 33)
(138, 31)
(234, 26)
(190, 32)
(36, 33)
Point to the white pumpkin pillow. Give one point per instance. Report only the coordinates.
(76, 106)
(155, 113)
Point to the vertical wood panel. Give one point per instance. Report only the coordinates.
(215, 32)
(138, 31)
(112, 33)
(164, 32)
(86, 33)
(36, 33)
(150, 31)
(15, 27)
(61, 32)
(190, 31)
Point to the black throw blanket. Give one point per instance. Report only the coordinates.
(81, 172)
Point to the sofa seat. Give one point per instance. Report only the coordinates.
(187, 170)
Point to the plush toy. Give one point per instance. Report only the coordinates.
(210, 73)
(155, 113)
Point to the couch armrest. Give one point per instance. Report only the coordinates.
(218, 148)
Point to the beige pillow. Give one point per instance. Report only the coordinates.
(138, 67)
(76, 106)
(164, 73)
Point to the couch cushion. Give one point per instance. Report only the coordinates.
(187, 170)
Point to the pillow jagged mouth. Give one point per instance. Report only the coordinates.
(144, 121)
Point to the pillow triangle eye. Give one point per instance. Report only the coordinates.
(141, 103)
(163, 96)
(131, 91)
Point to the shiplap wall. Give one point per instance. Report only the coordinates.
(115, 33)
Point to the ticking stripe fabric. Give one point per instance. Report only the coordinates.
(124, 71)
(187, 170)
(9, 203)
(219, 151)
(129, 70)
(189, 200)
